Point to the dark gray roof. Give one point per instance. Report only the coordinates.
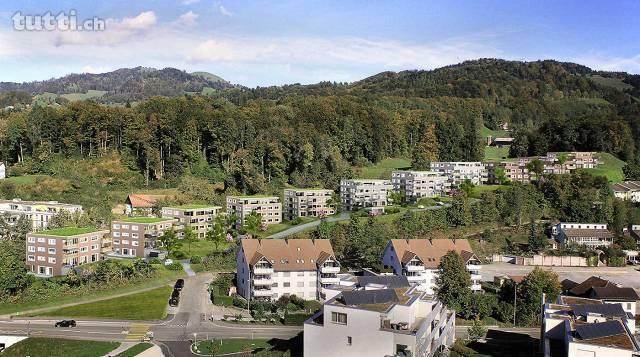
(600, 329)
(390, 281)
(608, 310)
(361, 297)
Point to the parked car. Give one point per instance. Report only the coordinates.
(168, 262)
(66, 323)
(174, 301)
(439, 203)
(179, 285)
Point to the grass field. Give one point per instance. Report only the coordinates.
(23, 180)
(148, 305)
(202, 248)
(610, 166)
(276, 228)
(58, 347)
(135, 350)
(478, 190)
(493, 153)
(233, 345)
(84, 96)
(383, 168)
(610, 82)
(495, 133)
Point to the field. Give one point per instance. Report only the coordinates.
(610, 82)
(135, 350)
(495, 133)
(148, 305)
(24, 180)
(611, 167)
(383, 168)
(494, 153)
(233, 345)
(84, 96)
(202, 248)
(58, 347)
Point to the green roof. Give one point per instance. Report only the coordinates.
(193, 206)
(68, 231)
(144, 219)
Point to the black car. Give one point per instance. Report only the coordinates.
(66, 323)
(175, 294)
(179, 284)
(174, 301)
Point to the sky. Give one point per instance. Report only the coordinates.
(262, 43)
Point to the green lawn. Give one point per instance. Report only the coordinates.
(135, 350)
(478, 190)
(610, 166)
(494, 153)
(23, 180)
(276, 228)
(495, 133)
(69, 231)
(58, 347)
(84, 96)
(233, 345)
(202, 248)
(383, 169)
(148, 305)
(143, 219)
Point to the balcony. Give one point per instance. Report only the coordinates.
(415, 278)
(262, 281)
(476, 287)
(262, 270)
(327, 269)
(330, 280)
(475, 267)
(415, 267)
(262, 293)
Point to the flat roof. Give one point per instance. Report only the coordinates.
(253, 196)
(68, 231)
(192, 206)
(143, 219)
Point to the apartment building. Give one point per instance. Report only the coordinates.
(271, 268)
(39, 212)
(380, 322)
(418, 260)
(300, 202)
(627, 190)
(269, 207)
(460, 171)
(420, 184)
(592, 235)
(198, 217)
(130, 236)
(577, 327)
(514, 171)
(604, 290)
(363, 193)
(54, 252)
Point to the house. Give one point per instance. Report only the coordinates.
(54, 252)
(627, 190)
(460, 171)
(592, 235)
(419, 184)
(269, 207)
(3, 171)
(131, 236)
(39, 212)
(576, 327)
(499, 141)
(601, 289)
(299, 202)
(197, 216)
(361, 193)
(380, 322)
(270, 268)
(418, 260)
(143, 204)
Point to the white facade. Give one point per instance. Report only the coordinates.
(592, 235)
(356, 194)
(420, 326)
(420, 184)
(627, 190)
(39, 212)
(269, 207)
(460, 171)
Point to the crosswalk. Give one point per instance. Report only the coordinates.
(137, 332)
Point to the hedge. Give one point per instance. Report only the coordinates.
(295, 319)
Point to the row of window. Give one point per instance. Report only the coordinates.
(134, 243)
(124, 234)
(52, 241)
(32, 258)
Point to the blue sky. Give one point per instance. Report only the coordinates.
(278, 42)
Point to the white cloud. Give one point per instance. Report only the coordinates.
(95, 69)
(602, 62)
(190, 2)
(223, 10)
(143, 21)
(189, 18)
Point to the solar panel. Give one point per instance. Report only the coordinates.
(600, 329)
(390, 281)
(361, 297)
(610, 310)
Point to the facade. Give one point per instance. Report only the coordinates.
(270, 268)
(378, 323)
(307, 203)
(418, 260)
(460, 171)
(54, 252)
(627, 190)
(39, 212)
(360, 193)
(142, 204)
(420, 184)
(592, 235)
(514, 171)
(577, 327)
(269, 207)
(198, 217)
(130, 236)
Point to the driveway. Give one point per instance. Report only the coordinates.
(343, 216)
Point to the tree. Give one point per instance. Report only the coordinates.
(216, 346)
(534, 285)
(459, 214)
(189, 237)
(169, 241)
(217, 234)
(467, 186)
(520, 145)
(426, 150)
(620, 215)
(397, 197)
(537, 241)
(536, 167)
(453, 284)
(477, 331)
(252, 223)
(500, 175)
(631, 172)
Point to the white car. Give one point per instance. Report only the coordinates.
(168, 262)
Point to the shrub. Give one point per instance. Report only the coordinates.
(477, 331)
(295, 319)
(178, 254)
(196, 259)
(296, 221)
(391, 210)
(222, 300)
(239, 301)
(461, 349)
(155, 261)
(174, 266)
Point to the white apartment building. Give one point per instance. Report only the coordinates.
(271, 268)
(418, 260)
(39, 212)
(592, 235)
(420, 184)
(198, 217)
(380, 323)
(269, 207)
(578, 327)
(460, 171)
(299, 202)
(627, 190)
(360, 193)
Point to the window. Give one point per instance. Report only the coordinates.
(301, 284)
(83, 249)
(124, 241)
(41, 249)
(125, 234)
(52, 250)
(134, 235)
(286, 285)
(116, 241)
(94, 238)
(125, 226)
(116, 234)
(32, 248)
(31, 239)
(116, 226)
(134, 228)
(339, 318)
(135, 243)
(31, 258)
(52, 260)
(301, 273)
(94, 247)
(52, 241)
(41, 259)
(286, 274)
(349, 340)
(41, 240)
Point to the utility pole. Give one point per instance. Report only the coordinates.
(515, 299)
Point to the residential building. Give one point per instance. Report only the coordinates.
(601, 289)
(132, 235)
(418, 260)
(54, 252)
(514, 171)
(362, 193)
(459, 172)
(39, 212)
(269, 207)
(198, 217)
(271, 268)
(627, 190)
(380, 322)
(592, 235)
(578, 327)
(350, 282)
(419, 184)
(143, 204)
(300, 202)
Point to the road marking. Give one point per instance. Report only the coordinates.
(137, 332)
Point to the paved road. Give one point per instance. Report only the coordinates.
(344, 216)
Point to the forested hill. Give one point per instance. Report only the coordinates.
(126, 84)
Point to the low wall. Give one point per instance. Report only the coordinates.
(543, 260)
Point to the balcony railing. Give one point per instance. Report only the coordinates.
(415, 267)
(262, 292)
(415, 278)
(263, 281)
(330, 280)
(330, 269)
(474, 267)
(262, 270)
